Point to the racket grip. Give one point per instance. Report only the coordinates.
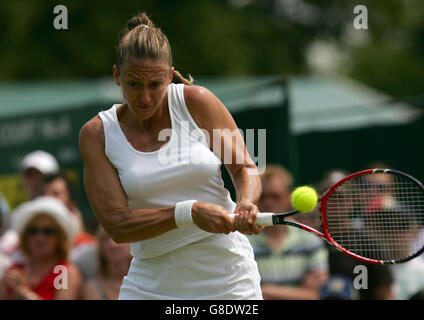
(262, 218)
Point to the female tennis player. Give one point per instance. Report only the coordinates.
(174, 213)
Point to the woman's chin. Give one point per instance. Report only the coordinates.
(142, 113)
(42, 254)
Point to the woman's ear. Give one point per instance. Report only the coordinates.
(116, 75)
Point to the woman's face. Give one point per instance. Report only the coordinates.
(59, 190)
(144, 83)
(42, 237)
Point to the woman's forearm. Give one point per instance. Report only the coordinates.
(140, 224)
(248, 186)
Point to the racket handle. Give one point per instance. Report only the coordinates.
(262, 218)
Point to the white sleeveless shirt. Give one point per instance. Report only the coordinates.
(182, 169)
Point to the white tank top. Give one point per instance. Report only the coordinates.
(182, 169)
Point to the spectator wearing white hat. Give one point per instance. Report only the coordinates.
(9, 239)
(83, 253)
(34, 166)
(46, 231)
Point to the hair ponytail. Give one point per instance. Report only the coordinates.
(178, 78)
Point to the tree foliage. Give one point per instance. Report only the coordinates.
(225, 38)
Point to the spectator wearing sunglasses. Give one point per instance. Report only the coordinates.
(59, 186)
(9, 239)
(46, 231)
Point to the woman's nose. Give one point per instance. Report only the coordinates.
(144, 97)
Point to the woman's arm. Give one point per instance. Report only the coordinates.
(17, 282)
(107, 197)
(110, 205)
(309, 289)
(228, 144)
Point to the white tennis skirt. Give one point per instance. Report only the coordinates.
(220, 267)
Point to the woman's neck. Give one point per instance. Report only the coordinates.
(41, 263)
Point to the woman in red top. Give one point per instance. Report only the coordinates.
(46, 230)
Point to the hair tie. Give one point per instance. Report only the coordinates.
(144, 25)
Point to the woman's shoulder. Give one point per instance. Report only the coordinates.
(195, 95)
(203, 105)
(91, 134)
(92, 127)
(66, 268)
(70, 266)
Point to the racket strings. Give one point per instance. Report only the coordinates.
(378, 216)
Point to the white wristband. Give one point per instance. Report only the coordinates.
(182, 213)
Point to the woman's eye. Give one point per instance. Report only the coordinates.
(132, 84)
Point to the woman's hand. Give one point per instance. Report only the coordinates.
(18, 282)
(15, 279)
(211, 217)
(245, 217)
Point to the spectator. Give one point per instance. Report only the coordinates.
(113, 263)
(58, 186)
(292, 263)
(409, 276)
(380, 278)
(9, 239)
(34, 166)
(5, 262)
(46, 231)
(82, 254)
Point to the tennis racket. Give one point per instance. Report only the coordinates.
(375, 215)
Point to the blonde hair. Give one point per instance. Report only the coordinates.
(142, 39)
(278, 171)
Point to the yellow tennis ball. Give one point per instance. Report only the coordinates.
(304, 199)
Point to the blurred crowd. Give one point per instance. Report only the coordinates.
(295, 264)
(46, 252)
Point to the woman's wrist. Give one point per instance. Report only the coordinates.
(248, 187)
(247, 200)
(183, 213)
(26, 293)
